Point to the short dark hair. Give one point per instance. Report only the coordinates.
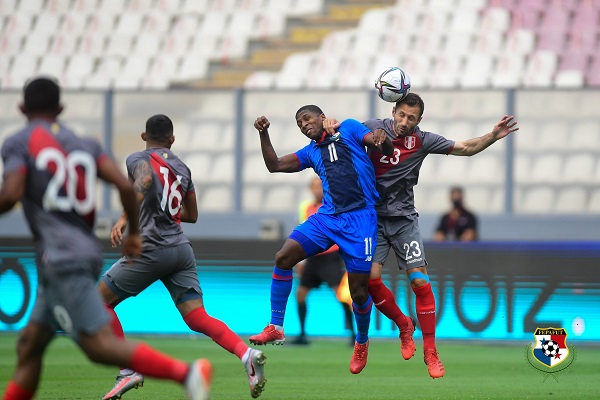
(311, 108)
(412, 99)
(159, 127)
(41, 94)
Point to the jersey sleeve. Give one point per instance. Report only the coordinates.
(131, 163)
(355, 129)
(190, 186)
(14, 155)
(437, 144)
(304, 160)
(373, 124)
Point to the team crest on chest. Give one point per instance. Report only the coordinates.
(410, 142)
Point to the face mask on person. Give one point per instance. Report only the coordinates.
(457, 203)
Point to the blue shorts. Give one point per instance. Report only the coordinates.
(355, 233)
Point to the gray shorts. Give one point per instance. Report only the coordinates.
(174, 266)
(67, 297)
(401, 234)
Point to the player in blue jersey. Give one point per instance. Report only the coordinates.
(398, 226)
(346, 218)
(53, 173)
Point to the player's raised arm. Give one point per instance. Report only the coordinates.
(469, 147)
(379, 140)
(287, 163)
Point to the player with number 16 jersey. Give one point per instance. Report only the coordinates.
(161, 207)
(165, 192)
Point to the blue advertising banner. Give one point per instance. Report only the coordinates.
(499, 291)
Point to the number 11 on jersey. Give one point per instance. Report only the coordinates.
(368, 249)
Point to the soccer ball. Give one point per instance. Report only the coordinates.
(393, 84)
(550, 348)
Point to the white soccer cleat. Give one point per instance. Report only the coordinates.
(197, 383)
(124, 384)
(255, 367)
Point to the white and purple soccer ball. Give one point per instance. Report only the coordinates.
(393, 84)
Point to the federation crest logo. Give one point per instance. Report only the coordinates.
(410, 142)
(549, 352)
(550, 346)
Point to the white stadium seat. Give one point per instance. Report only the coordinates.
(571, 201)
(579, 168)
(539, 200)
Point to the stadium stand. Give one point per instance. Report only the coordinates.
(330, 45)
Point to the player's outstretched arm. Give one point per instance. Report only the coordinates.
(287, 163)
(12, 190)
(506, 126)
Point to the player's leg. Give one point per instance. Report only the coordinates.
(103, 347)
(301, 294)
(383, 298)
(31, 345)
(331, 270)
(184, 287)
(361, 305)
(124, 279)
(196, 317)
(77, 307)
(307, 239)
(426, 313)
(356, 237)
(348, 315)
(310, 278)
(290, 254)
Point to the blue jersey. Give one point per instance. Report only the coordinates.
(346, 172)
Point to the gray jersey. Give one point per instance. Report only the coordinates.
(161, 209)
(398, 174)
(59, 200)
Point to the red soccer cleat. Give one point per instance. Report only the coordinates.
(359, 357)
(407, 344)
(269, 335)
(434, 365)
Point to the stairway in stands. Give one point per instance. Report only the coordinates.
(302, 34)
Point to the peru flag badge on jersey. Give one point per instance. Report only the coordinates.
(410, 142)
(550, 347)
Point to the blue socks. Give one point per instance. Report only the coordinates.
(362, 316)
(281, 287)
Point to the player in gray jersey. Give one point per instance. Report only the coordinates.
(397, 218)
(53, 172)
(164, 189)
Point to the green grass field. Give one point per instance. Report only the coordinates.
(320, 371)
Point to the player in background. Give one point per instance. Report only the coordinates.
(53, 172)
(346, 218)
(398, 226)
(165, 191)
(326, 267)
